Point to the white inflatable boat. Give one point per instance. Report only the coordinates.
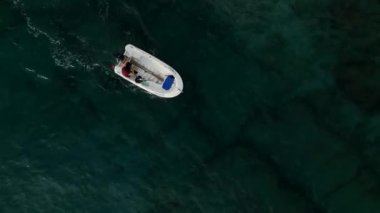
(149, 73)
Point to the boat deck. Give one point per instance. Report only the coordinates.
(139, 70)
(146, 74)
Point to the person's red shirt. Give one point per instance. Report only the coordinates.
(125, 71)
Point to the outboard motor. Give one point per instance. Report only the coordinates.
(119, 56)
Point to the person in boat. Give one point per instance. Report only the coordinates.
(127, 70)
(126, 60)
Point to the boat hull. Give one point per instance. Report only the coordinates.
(151, 74)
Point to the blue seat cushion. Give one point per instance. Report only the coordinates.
(168, 82)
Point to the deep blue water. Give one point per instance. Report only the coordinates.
(280, 110)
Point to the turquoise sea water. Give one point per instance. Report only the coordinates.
(280, 110)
